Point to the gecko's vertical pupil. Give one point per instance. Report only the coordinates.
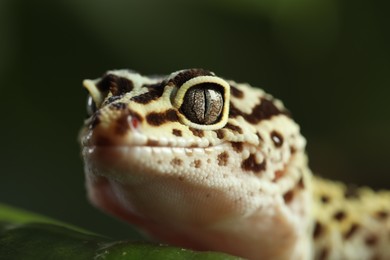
(203, 104)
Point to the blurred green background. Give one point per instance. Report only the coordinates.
(328, 60)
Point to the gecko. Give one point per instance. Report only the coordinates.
(201, 162)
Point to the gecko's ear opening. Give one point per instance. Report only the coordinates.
(95, 97)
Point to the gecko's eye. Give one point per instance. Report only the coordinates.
(203, 104)
(91, 106)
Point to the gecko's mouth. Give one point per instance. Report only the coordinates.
(107, 138)
(127, 158)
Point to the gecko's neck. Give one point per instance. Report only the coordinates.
(350, 223)
(286, 218)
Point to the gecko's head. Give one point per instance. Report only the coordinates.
(128, 109)
(155, 144)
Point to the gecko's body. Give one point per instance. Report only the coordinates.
(201, 162)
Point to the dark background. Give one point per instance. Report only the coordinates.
(329, 60)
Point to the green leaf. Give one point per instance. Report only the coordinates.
(25, 235)
(14, 215)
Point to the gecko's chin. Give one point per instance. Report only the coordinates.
(113, 179)
(119, 183)
(104, 194)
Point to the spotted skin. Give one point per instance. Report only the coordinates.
(240, 185)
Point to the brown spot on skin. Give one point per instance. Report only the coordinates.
(323, 254)
(197, 163)
(157, 119)
(381, 215)
(351, 231)
(293, 149)
(325, 199)
(318, 230)
(371, 240)
(351, 192)
(288, 196)
(263, 111)
(301, 183)
(176, 132)
(208, 160)
(236, 92)
(186, 75)
(277, 139)
(171, 115)
(278, 175)
(155, 91)
(152, 142)
(237, 146)
(115, 84)
(220, 133)
(259, 136)
(223, 159)
(234, 111)
(233, 128)
(250, 164)
(339, 215)
(118, 106)
(197, 132)
(176, 162)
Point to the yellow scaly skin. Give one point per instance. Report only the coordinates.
(234, 179)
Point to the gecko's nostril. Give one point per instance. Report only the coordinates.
(134, 122)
